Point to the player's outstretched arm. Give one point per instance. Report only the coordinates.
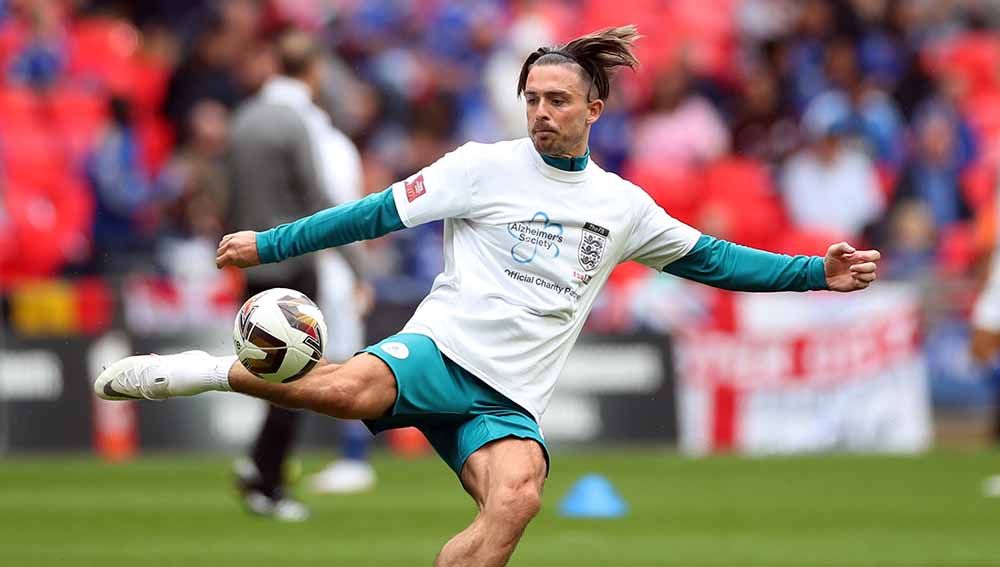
(734, 267)
(364, 219)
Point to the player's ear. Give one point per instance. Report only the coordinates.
(594, 110)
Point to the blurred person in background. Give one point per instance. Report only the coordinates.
(764, 127)
(345, 295)
(38, 56)
(830, 184)
(285, 160)
(805, 51)
(682, 129)
(128, 203)
(930, 192)
(194, 178)
(211, 68)
(858, 106)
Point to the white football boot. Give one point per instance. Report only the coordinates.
(274, 504)
(347, 476)
(154, 377)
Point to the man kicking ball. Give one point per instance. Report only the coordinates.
(532, 230)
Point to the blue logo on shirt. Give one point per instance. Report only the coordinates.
(539, 236)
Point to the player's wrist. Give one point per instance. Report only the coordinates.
(818, 278)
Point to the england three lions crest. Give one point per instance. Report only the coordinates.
(592, 244)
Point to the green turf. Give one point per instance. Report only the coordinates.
(878, 511)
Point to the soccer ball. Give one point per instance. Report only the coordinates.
(279, 335)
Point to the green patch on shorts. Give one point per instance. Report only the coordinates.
(457, 412)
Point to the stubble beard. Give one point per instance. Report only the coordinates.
(554, 146)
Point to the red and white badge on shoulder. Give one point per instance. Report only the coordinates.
(415, 188)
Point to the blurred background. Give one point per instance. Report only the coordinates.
(780, 124)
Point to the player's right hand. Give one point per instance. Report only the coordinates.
(238, 249)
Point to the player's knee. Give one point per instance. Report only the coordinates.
(518, 503)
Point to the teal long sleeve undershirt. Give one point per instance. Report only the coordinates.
(730, 266)
(364, 219)
(714, 262)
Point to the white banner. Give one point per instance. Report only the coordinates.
(807, 372)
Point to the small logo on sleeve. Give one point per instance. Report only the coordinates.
(396, 350)
(415, 188)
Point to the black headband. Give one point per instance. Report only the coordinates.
(565, 54)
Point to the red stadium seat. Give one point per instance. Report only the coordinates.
(738, 178)
(149, 85)
(156, 139)
(676, 189)
(957, 248)
(49, 219)
(983, 112)
(19, 107)
(29, 152)
(101, 49)
(79, 115)
(974, 57)
(979, 184)
(738, 202)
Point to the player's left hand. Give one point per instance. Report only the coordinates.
(848, 269)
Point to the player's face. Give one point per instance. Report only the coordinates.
(559, 115)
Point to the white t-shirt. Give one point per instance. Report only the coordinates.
(527, 248)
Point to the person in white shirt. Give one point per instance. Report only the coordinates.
(286, 159)
(532, 230)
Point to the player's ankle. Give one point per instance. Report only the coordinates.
(196, 372)
(220, 373)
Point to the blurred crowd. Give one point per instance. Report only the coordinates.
(781, 124)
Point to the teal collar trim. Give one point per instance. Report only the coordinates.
(568, 164)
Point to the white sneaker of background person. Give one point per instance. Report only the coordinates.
(346, 476)
(154, 377)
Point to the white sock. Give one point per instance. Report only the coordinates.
(195, 372)
(220, 373)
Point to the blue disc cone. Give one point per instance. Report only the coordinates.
(593, 496)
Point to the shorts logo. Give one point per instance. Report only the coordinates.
(593, 241)
(396, 350)
(415, 188)
(538, 235)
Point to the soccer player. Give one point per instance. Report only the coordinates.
(533, 228)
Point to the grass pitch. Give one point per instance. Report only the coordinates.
(826, 511)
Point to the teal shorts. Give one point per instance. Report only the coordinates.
(457, 412)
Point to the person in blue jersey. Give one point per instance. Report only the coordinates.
(532, 229)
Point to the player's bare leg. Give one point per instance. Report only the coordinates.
(506, 479)
(362, 388)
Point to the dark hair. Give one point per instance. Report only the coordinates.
(599, 54)
(297, 51)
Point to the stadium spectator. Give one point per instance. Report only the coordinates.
(764, 129)
(831, 185)
(933, 177)
(127, 214)
(194, 179)
(858, 107)
(682, 129)
(209, 70)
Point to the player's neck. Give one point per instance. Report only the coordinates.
(578, 163)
